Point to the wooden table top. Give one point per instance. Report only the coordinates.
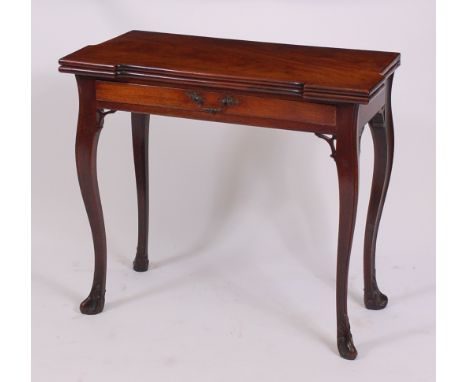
(315, 73)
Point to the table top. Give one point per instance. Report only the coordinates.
(316, 73)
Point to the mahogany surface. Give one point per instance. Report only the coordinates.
(331, 92)
(307, 72)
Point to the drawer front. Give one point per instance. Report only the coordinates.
(216, 103)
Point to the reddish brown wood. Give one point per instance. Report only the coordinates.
(327, 91)
(347, 163)
(90, 122)
(140, 131)
(210, 102)
(381, 127)
(219, 117)
(330, 74)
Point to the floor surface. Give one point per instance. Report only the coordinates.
(255, 302)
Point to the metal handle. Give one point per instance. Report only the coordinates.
(212, 110)
(225, 102)
(229, 101)
(195, 97)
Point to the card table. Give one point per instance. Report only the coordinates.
(333, 93)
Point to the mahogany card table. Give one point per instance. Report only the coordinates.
(330, 92)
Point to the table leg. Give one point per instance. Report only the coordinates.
(381, 127)
(90, 122)
(347, 162)
(140, 131)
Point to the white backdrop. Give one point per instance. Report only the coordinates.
(243, 220)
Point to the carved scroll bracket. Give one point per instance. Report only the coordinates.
(104, 112)
(101, 115)
(331, 140)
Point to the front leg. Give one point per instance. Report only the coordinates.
(90, 122)
(347, 163)
(381, 127)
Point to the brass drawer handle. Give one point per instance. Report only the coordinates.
(212, 110)
(195, 97)
(229, 101)
(225, 102)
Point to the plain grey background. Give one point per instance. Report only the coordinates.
(243, 220)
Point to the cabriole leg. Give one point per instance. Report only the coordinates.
(347, 163)
(140, 131)
(381, 127)
(90, 122)
(345, 150)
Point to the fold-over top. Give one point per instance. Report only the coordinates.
(315, 73)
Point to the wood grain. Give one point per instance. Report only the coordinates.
(332, 74)
(331, 92)
(211, 102)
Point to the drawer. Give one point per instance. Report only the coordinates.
(216, 103)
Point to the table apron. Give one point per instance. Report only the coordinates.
(217, 106)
